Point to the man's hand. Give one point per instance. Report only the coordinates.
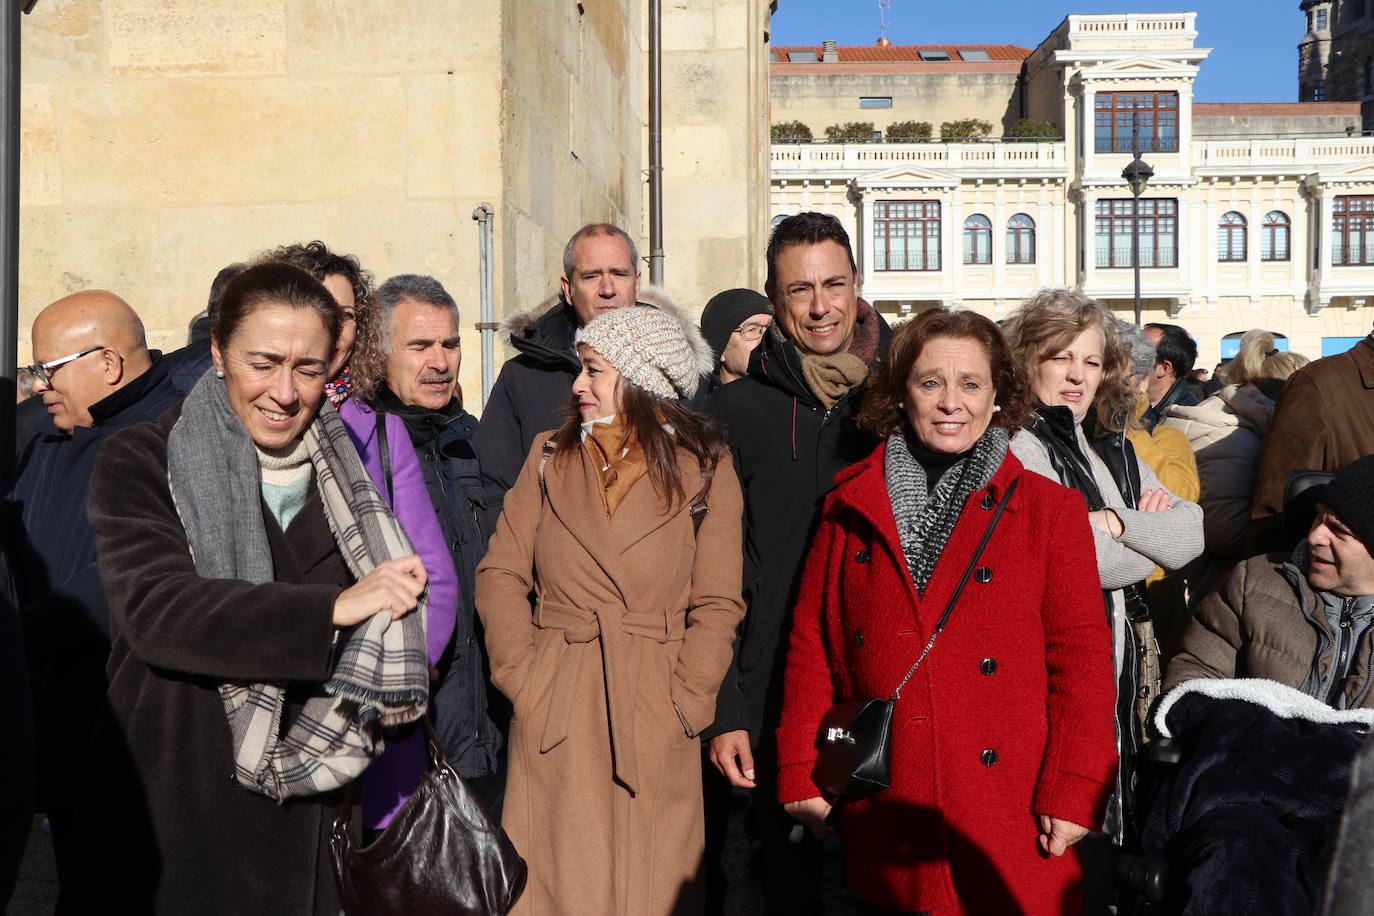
(393, 586)
(811, 813)
(731, 754)
(1057, 835)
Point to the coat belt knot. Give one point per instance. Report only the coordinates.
(621, 662)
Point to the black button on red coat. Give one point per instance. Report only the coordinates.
(988, 757)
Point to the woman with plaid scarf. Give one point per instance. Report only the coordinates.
(260, 594)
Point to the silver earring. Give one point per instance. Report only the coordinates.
(219, 373)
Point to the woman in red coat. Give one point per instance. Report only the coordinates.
(1002, 745)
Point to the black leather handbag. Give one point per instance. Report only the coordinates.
(855, 739)
(441, 853)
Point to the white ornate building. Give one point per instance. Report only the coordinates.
(1272, 229)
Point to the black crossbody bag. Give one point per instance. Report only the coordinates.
(855, 739)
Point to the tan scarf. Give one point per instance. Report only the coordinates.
(832, 377)
(618, 456)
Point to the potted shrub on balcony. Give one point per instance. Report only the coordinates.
(852, 130)
(965, 129)
(790, 132)
(908, 130)
(1033, 129)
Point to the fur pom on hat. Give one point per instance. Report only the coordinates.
(653, 345)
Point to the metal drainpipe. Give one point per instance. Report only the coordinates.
(655, 143)
(9, 232)
(485, 217)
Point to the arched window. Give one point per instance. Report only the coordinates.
(1231, 237)
(977, 240)
(1020, 239)
(1274, 236)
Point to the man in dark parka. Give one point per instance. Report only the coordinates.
(790, 425)
(600, 272)
(97, 377)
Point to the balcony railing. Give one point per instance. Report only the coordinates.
(857, 158)
(1302, 152)
(850, 160)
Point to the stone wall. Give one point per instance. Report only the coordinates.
(819, 95)
(163, 139)
(571, 95)
(715, 148)
(1261, 121)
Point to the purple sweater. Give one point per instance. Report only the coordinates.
(391, 778)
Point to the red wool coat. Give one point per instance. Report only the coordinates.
(1011, 714)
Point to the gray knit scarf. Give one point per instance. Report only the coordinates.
(381, 674)
(925, 521)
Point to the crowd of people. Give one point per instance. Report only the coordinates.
(240, 576)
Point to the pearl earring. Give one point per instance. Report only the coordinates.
(996, 408)
(219, 373)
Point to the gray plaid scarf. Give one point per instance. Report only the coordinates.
(926, 520)
(381, 674)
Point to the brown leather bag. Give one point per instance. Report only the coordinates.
(441, 853)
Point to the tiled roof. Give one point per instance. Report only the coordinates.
(1275, 109)
(903, 53)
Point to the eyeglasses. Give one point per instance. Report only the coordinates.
(751, 330)
(43, 371)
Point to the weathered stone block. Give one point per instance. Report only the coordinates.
(269, 140)
(40, 172)
(452, 134)
(197, 36)
(393, 36)
(62, 38)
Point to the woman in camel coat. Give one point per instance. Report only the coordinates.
(614, 668)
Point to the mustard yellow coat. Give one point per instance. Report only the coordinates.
(613, 670)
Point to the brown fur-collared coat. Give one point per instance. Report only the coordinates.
(613, 671)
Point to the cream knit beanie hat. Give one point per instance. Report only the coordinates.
(655, 348)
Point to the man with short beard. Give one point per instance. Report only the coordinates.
(415, 376)
(790, 425)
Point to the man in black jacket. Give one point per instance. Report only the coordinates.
(1175, 353)
(96, 376)
(600, 272)
(790, 424)
(420, 387)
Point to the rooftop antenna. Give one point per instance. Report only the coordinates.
(883, 7)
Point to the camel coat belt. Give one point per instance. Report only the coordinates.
(621, 663)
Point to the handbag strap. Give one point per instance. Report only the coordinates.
(385, 452)
(958, 589)
(437, 760)
(544, 454)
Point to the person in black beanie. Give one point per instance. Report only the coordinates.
(1301, 620)
(733, 322)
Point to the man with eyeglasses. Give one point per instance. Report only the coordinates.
(96, 376)
(733, 323)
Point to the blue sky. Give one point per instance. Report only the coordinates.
(1254, 42)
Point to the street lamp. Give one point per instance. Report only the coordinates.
(1137, 175)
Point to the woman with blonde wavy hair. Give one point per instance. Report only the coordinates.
(1255, 347)
(1227, 432)
(1080, 375)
